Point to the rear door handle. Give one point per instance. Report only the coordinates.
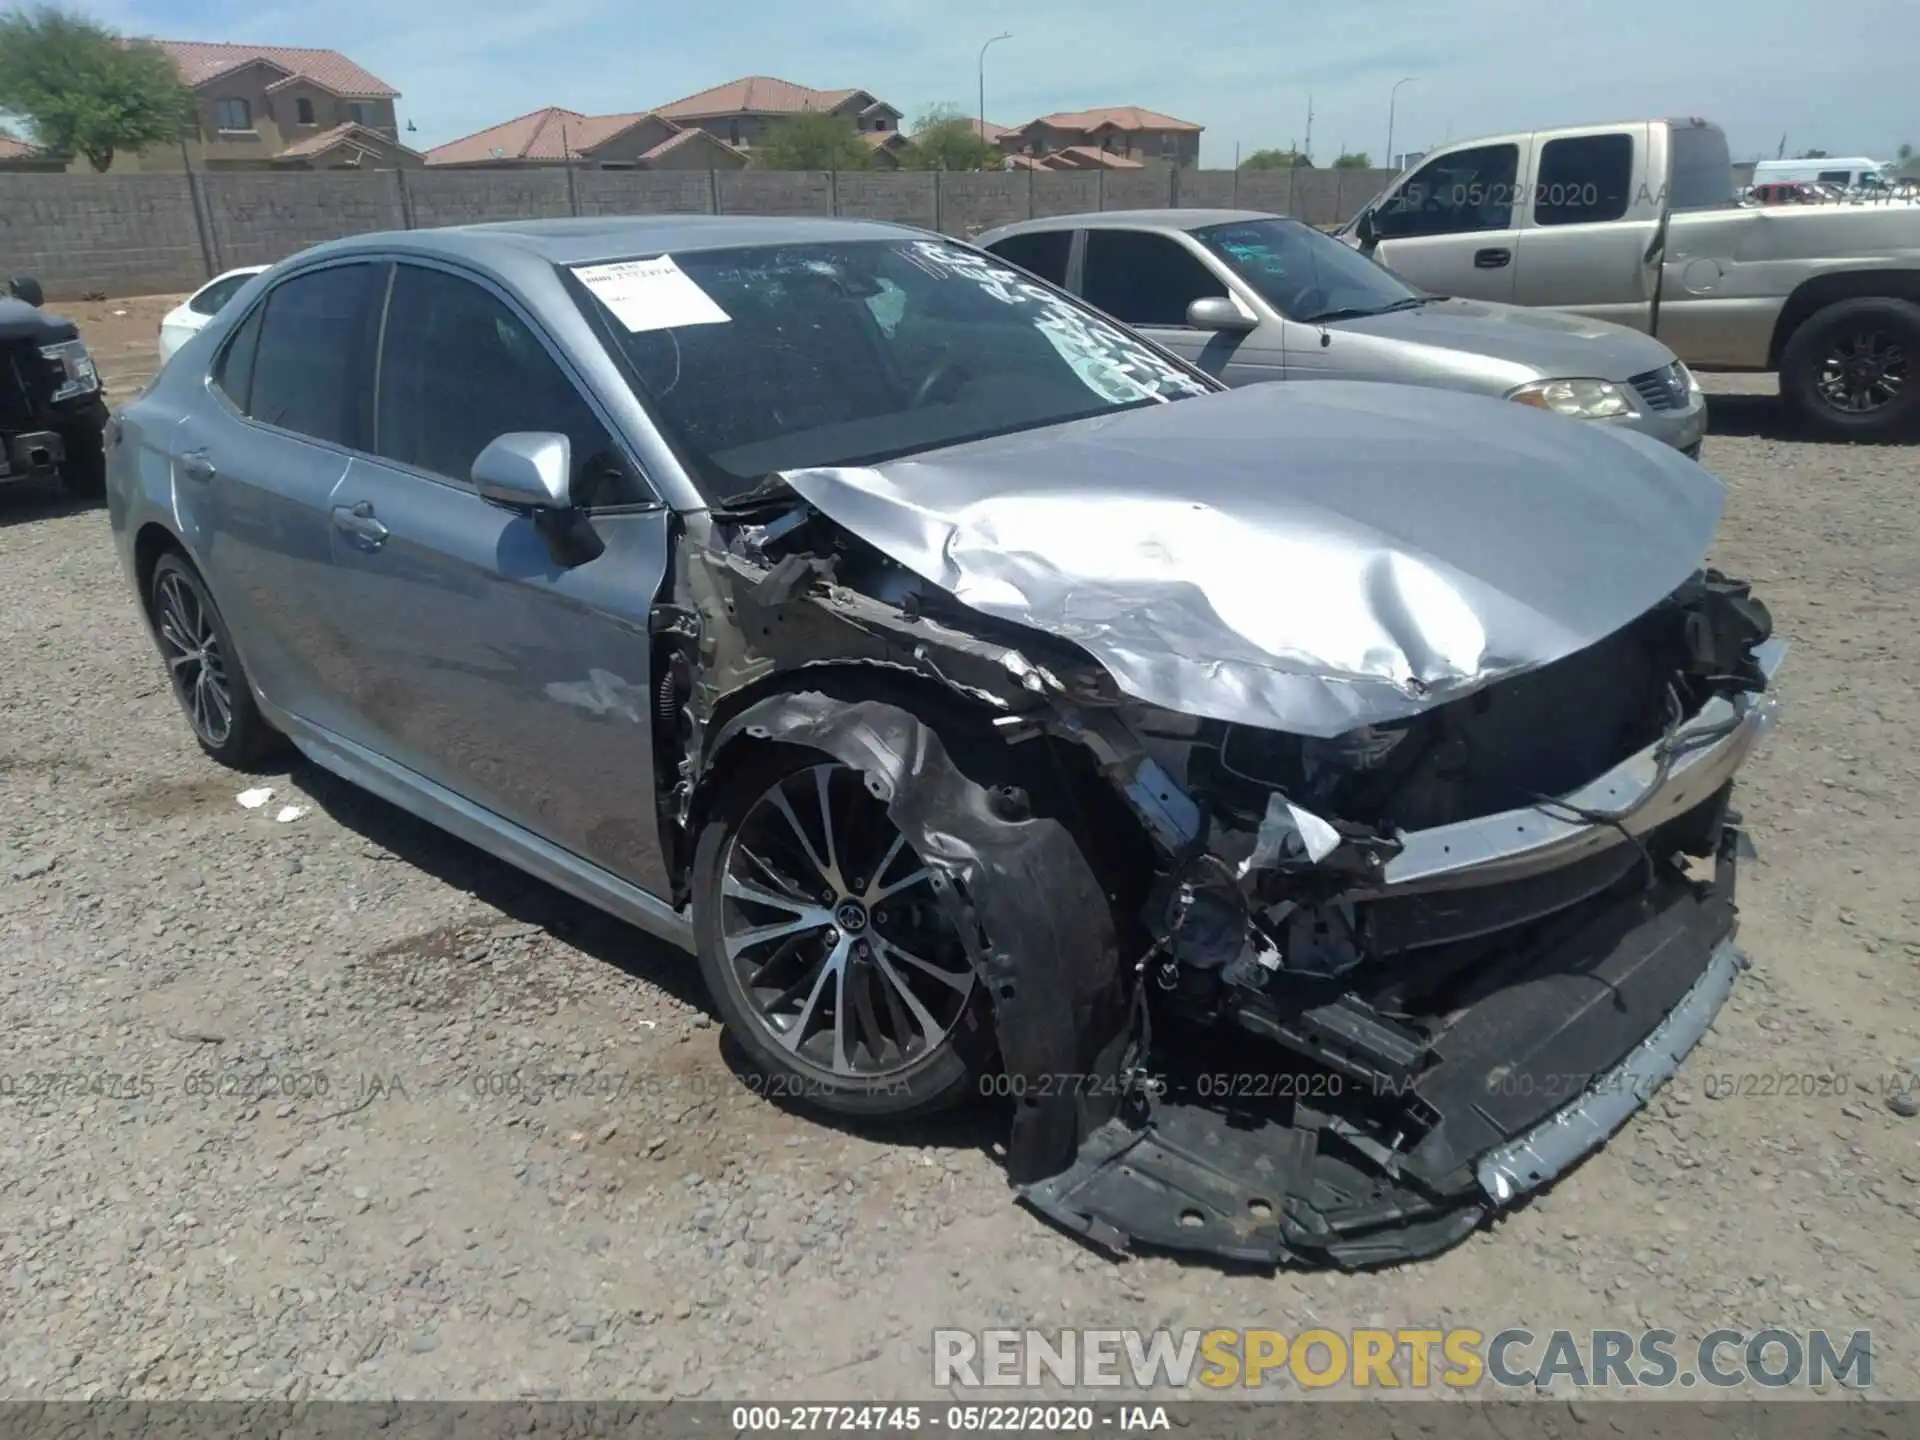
(359, 522)
(196, 465)
(1491, 259)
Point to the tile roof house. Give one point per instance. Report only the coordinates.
(277, 107)
(640, 139)
(1116, 137)
(740, 111)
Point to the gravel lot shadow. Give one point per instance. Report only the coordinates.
(494, 882)
(1753, 416)
(24, 502)
(978, 1126)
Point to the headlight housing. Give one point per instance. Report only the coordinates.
(73, 369)
(1693, 381)
(1583, 399)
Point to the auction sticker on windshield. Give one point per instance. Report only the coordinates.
(651, 294)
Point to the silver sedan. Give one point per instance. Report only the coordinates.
(1249, 297)
(995, 704)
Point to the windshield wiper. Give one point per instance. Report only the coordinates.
(767, 489)
(1360, 312)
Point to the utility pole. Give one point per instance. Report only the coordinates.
(1308, 151)
(1003, 35)
(1393, 95)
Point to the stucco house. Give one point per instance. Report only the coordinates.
(1110, 138)
(636, 140)
(740, 111)
(277, 107)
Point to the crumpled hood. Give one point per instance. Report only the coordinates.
(1552, 344)
(1308, 558)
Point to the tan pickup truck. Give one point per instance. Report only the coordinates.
(1638, 223)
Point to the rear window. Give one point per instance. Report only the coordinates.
(310, 364)
(1701, 167)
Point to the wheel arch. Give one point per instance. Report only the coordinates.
(1812, 296)
(945, 709)
(150, 542)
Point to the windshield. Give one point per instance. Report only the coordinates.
(1304, 274)
(769, 358)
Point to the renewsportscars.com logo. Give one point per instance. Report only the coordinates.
(1412, 1359)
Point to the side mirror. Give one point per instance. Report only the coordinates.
(526, 469)
(1216, 312)
(25, 287)
(1363, 228)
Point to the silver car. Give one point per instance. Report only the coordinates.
(994, 704)
(1249, 297)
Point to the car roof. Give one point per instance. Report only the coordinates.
(1162, 219)
(586, 239)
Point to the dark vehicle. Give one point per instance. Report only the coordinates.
(1287, 798)
(52, 416)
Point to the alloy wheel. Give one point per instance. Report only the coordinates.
(833, 932)
(1863, 371)
(195, 663)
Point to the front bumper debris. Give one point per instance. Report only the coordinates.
(1521, 1084)
(1706, 752)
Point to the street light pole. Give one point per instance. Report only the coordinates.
(1393, 95)
(1003, 35)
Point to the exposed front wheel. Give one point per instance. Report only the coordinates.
(203, 666)
(826, 949)
(1852, 370)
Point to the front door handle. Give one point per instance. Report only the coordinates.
(1491, 259)
(197, 465)
(359, 522)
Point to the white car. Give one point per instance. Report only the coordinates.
(184, 321)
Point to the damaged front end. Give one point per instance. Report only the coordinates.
(1272, 992)
(1417, 971)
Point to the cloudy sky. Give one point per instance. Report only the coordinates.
(1843, 78)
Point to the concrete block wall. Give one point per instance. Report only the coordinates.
(970, 203)
(475, 197)
(154, 233)
(775, 192)
(908, 196)
(641, 192)
(1062, 194)
(257, 219)
(121, 235)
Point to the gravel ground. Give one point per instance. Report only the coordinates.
(468, 1138)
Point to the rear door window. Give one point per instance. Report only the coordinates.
(312, 364)
(233, 371)
(1039, 252)
(1584, 180)
(1145, 279)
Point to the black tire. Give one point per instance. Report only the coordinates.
(941, 1075)
(176, 588)
(84, 475)
(1834, 349)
